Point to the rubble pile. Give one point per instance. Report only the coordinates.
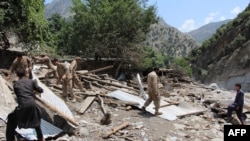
(102, 117)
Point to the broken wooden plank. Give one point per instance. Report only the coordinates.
(101, 69)
(116, 129)
(85, 104)
(191, 113)
(108, 83)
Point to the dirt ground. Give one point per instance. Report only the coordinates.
(147, 127)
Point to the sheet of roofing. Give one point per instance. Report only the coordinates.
(7, 102)
(183, 108)
(48, 130)
(49, 97)
(132, 98)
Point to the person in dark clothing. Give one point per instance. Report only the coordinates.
(27, 114)
(237, 105)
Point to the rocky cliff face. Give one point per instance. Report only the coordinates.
(225, 58)
(169, 40)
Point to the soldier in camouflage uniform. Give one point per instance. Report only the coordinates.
(75, 79)
(46, 61)
(65, 77)
(153, 91)
(21, 63)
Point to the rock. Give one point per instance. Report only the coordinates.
(211, 133)
(139, 126)
(2, 135)
(220, 134)
(128, 108)
(179, 126)
(196, 139)
(83, 123)
(63, 138)
(197, 126)
(217, 126)
(84, 132)
(172, 139)
(217, 139)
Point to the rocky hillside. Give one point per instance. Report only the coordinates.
(61, 7)
(205, 32)
(169, 40)
(225, 58)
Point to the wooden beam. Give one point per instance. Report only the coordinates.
(96, 70)
(108, 83)
(86, 103)
(116, 129)
(191, 113)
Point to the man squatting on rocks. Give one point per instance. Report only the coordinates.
(65, 77)
(27, 114)
(21, 63)
(237, 105)
(153, 91)
(51, 68)
(75, 79)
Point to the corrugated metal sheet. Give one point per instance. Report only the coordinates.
(49, 97)
(48, 130)
(169, 113)
(132, 98)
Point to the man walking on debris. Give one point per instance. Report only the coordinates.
(51, 68)
(27, 114)
(65, 77)
(21, 63)
(75, 79)
(153, 91)
(237, 105)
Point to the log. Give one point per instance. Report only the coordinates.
(107, 116)
(101, 69)
(54, 109)
(192, 113)
(96, 70)
(85, 104)
(116, 129)
(108, 83)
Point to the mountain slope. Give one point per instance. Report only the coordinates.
(162, 36)
(61, 7)
(205, 32)
(225, 58)
(169, 40)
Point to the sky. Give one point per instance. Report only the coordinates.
(187, 15)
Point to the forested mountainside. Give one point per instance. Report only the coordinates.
(61, 7)
(169, 40)
(225, 57)
(207, 31)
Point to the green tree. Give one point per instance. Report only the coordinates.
(26, 18)
(115, 27)
(184, 65)
(152, 58)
